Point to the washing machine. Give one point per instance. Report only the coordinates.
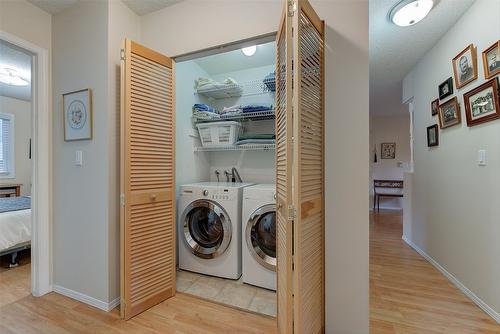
(209, 228)
(259, 235)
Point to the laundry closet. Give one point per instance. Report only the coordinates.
(222, 174)
(225, 173)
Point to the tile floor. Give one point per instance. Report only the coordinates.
(226, 291)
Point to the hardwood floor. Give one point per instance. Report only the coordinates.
(15, 283)
(408, 295)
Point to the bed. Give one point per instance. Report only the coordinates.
(15, 226)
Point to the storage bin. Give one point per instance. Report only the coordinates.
(217, 134)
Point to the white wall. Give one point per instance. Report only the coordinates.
(454, 201)
(22, 121)
(347, 175)
(389, 129)
(81, 207)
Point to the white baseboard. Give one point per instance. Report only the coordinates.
(392, 208)
(485, 307)
(86, 299)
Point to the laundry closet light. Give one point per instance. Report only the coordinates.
(249, 51)
(10, 76)
(409, 12)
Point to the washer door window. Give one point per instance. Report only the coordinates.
(261, 236)
(207, 229)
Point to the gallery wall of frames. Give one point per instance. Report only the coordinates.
(481, 103)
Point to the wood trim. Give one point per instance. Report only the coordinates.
(473, 51)
(493, 83)
(150, 54)
(311, 14)
(487, 73)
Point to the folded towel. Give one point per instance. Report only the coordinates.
(255, 141)
(205, 115)
(257, 107)
(232, 109)
(203, 107)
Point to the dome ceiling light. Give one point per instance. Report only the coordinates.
(409, 12)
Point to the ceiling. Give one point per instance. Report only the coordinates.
(394, 50)
(236, 61)
(140, 7)
(21, 61)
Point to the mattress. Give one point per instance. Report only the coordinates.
(15, 228)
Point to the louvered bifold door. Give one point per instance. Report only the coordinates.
(283, 174)
(147, 179)
(308, 169)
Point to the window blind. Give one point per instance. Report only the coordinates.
(5, 144)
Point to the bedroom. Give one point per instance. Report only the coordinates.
(15, 172)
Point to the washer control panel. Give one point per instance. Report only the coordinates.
(219, 194)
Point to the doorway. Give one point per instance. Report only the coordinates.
(35, 151)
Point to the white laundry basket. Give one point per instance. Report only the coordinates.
(217, 134)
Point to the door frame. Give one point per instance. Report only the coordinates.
(41, 131)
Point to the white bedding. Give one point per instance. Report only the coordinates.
(15, 228)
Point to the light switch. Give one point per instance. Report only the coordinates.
(481, 157)
(78, 158)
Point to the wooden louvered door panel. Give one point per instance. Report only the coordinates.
(147, 179)
(283, 174)
(308, 169)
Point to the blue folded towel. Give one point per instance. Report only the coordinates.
(257, 107)
(203, 107)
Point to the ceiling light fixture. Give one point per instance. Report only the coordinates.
(249, 51)
(10, 76)
(409, 12)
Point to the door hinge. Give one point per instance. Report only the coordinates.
(291, 212)
(292, 7)
(122, 199)
(122, 54)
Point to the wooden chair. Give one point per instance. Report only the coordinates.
(386, 188)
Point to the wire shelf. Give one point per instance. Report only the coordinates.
(255, 87)
(246, 147)
(256, 116)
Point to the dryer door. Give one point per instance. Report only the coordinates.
(207, 228)
(260, 236)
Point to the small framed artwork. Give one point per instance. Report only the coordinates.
(481, 103)
(449, 113)
(491, 61)
(434, 107)
(432, 135)
(446, 88)
(77, 110)
(388, 151)
(465, 66)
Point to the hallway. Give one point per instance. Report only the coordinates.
(408, 295)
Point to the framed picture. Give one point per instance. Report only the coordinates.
(449, 113)
(388, 151)
(77, 110)
(432, 135)
(481, 103)
(465, 66)
(446, 88)
(434, 107)
(491, 61)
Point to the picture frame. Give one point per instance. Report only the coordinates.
(432, 135)
(491, 61)
(449, 113)
(434, 107)
(77, 115)
(445, 89)
(465, 66)
(482, 103)
(388, 151)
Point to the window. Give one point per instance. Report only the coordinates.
(6, 145)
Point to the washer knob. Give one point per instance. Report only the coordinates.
(205, 192)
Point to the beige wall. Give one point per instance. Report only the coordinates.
(22, 121)
(389, 129)
(346, 165)
(455, 211)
